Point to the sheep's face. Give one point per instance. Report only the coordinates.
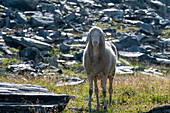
(95, 35)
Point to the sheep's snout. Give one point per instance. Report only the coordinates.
(95, 43)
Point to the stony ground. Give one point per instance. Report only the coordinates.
(42, 43)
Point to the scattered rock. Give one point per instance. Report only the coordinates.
(31, 53)
(24, 98)
(70, 81)
(160, 109)
(22, 4)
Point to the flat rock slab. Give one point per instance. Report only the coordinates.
(30, 98)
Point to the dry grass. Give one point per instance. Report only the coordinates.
(132, 93)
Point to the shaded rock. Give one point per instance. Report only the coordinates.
(57, 70)
(145, 27)
(147, 58)
(21, 18)
(21, 67)
(70, 17)
(160, 8)
(41, 19)
(160, 109)
(64, 48)
(43, 33)
(70, 81)
(35, 43)
(48, 7)
(30, 98)
(51, 60)
(41, 66)
(113, 13)
(67, 57)
(22, 4)
(128, 42)
(31, 53)
(79, 55)
(5, 49)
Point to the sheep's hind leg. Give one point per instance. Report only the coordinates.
(104, 91)
(110, 89)
(90, 92)
(97, 93)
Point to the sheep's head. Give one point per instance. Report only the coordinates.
(96, 36)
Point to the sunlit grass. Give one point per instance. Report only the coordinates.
(137, 93)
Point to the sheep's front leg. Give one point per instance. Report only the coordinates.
(97, 93)
(110, 89)
(104, 81)
(90, 91)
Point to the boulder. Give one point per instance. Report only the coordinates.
(21, 4)
(64, 48)
(113, 12)
(21, 18)
(160, 109)
(51, 61)
(31, 53)
(160, 8)
(128, 42)
(21, 67)
(22, 42)
(28, 98)
(41, 19)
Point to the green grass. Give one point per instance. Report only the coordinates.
(138, 93)
(8, 61)
(1, 9)
(14, 50)
(165, 33)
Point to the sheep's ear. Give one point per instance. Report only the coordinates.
(88, 38)
(103, 36)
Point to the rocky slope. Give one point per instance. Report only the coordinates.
(43, 33)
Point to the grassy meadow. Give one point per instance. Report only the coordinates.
(135, 93)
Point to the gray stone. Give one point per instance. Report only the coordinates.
(67, 57)
(28, 98)
(21, 18)
(145, 27)
(48, 7)
(64, 48)
(147, 58)
(22, 4)
(128, 42)
(21, 67)
(42, 19)
(160, 109)
(125, 54)
(43, 33)
(70, 81)
(113, 12)
(124, 70)
(31, 53)
(70, 17)
(28, 42)
(79, 55)
(51, 60)
(160, 8)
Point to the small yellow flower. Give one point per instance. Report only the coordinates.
(116, 88)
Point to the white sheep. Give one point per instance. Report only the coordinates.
(99, 61)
